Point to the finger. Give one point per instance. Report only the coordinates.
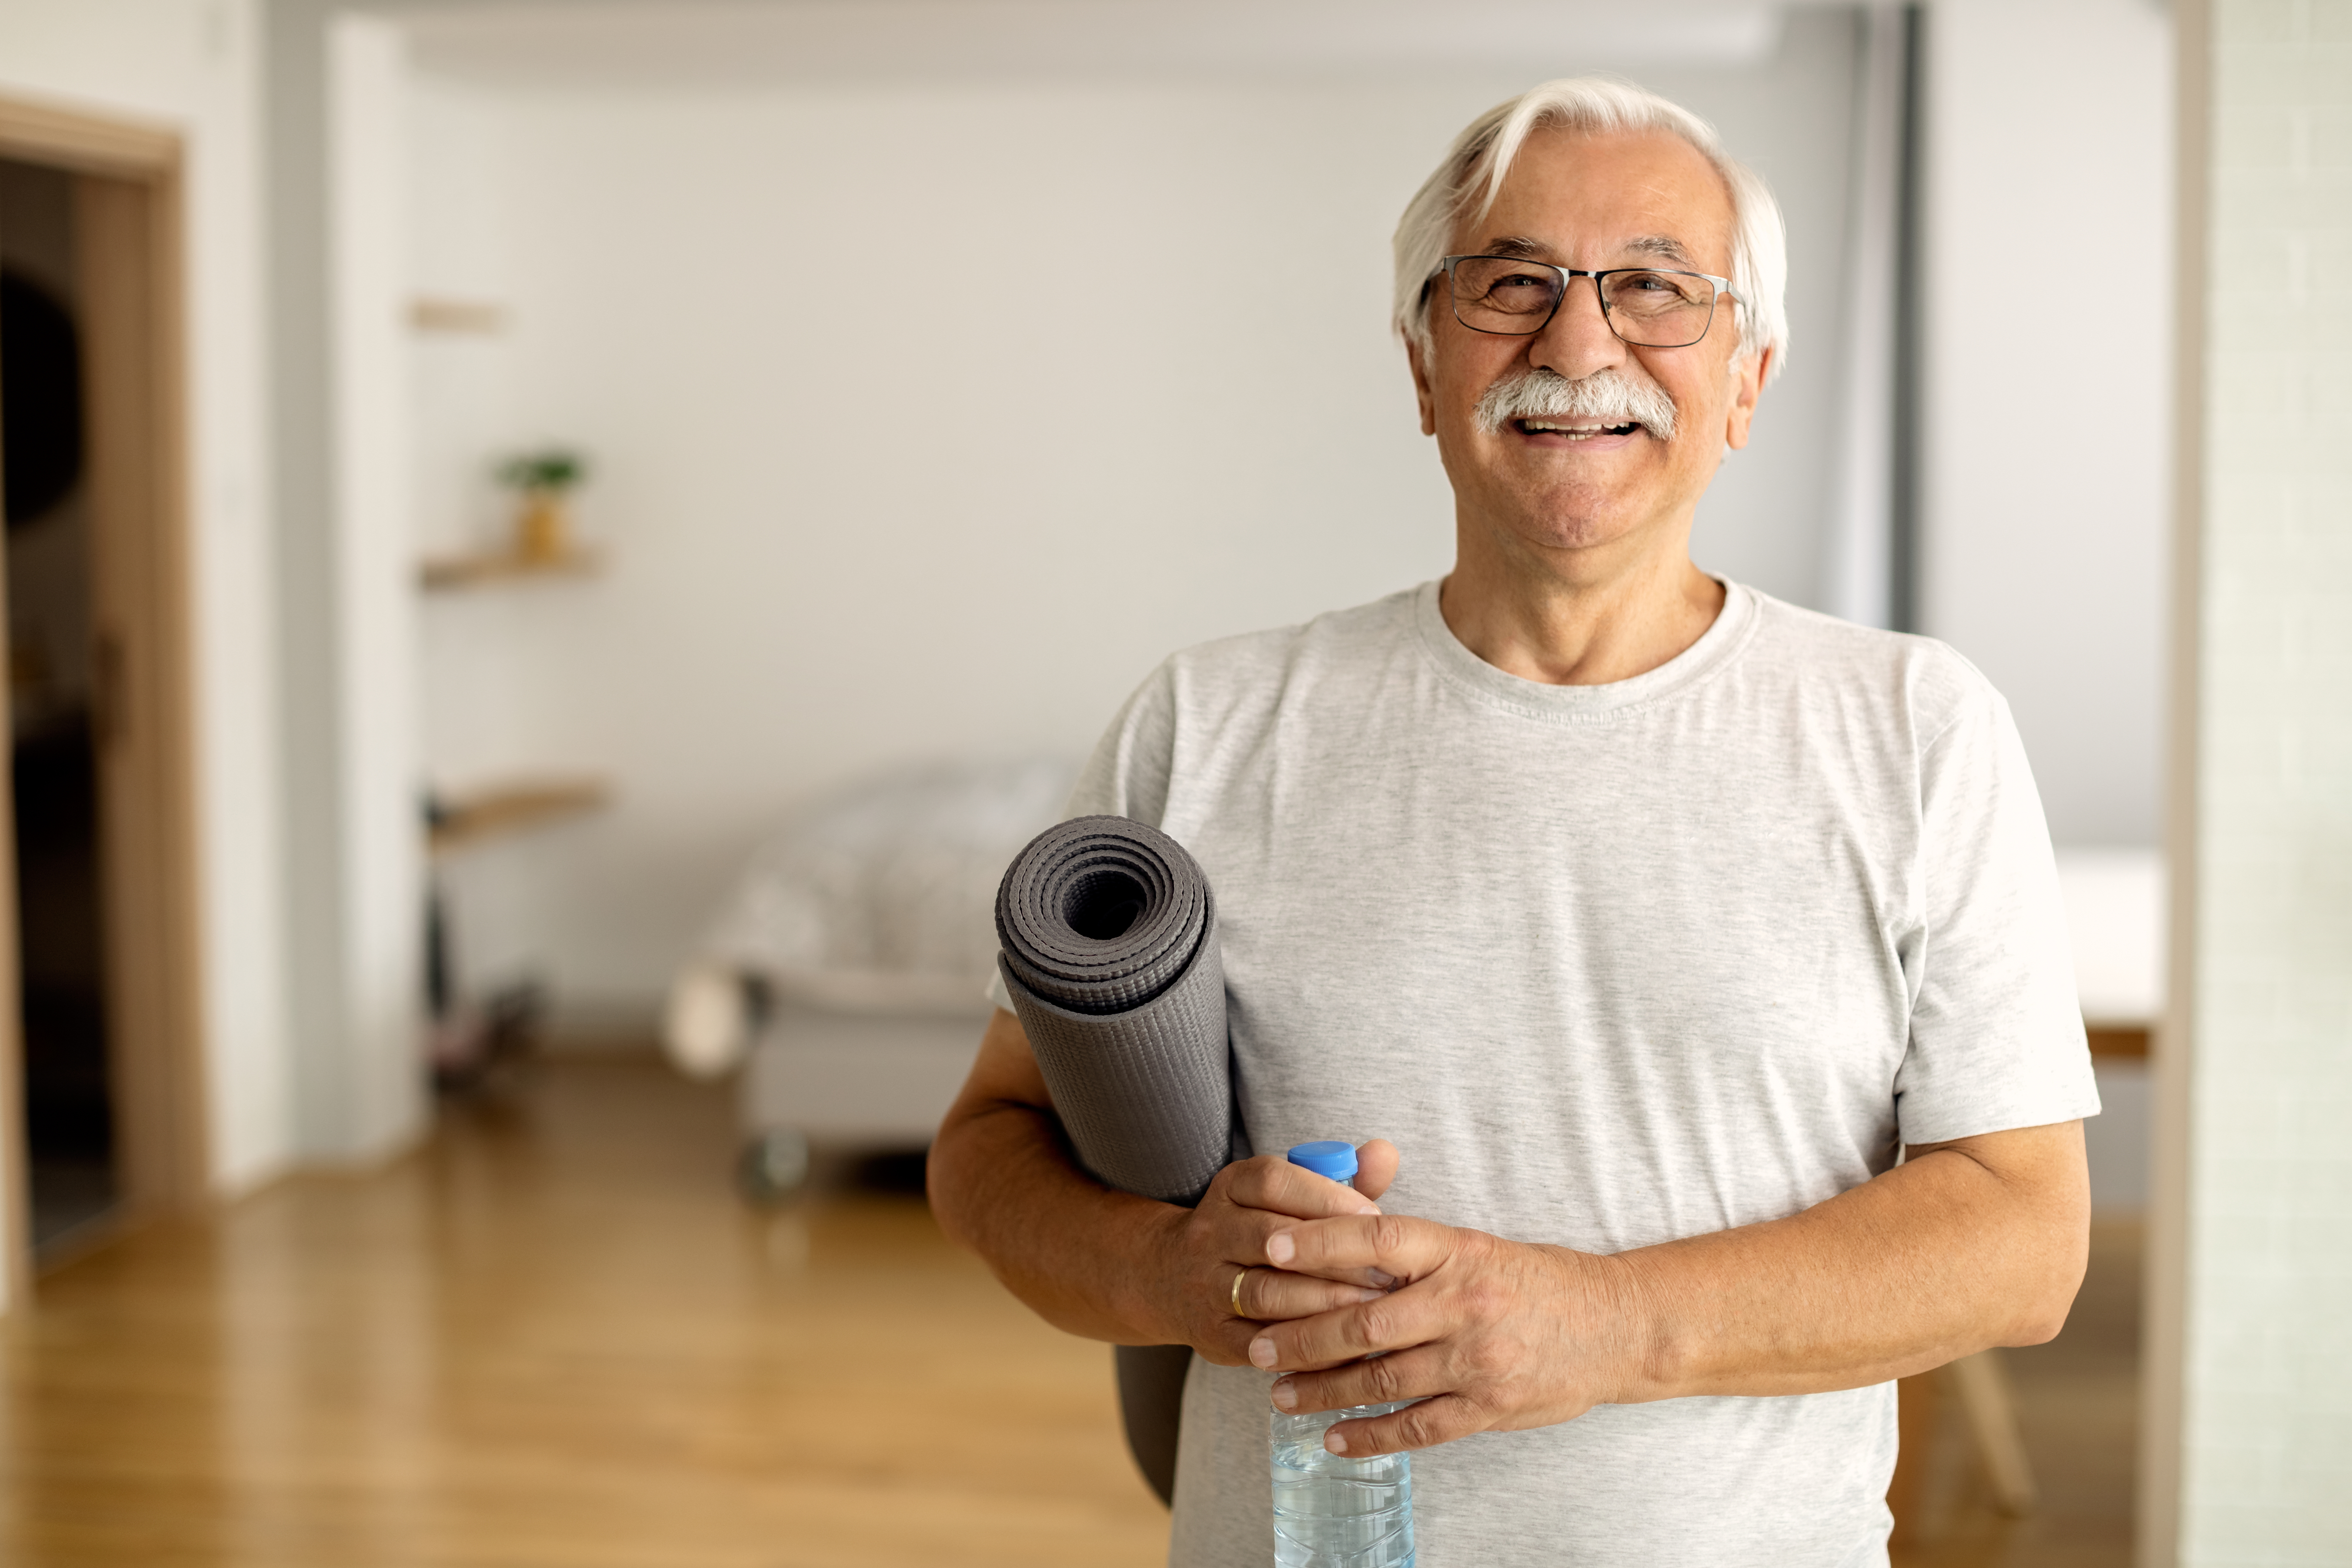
(1375, 1167)
(1293, 1191)
(1235, 1236)
(1225, 1234)
(1397, 1321)
(1422, 1426)
(1420, 1373)
(1274, 1295)
(1226, 1342)
(1396, 1245)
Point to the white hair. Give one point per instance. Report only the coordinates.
(1471, 177)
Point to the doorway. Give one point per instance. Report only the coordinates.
(101, 1101)
(67, 1089)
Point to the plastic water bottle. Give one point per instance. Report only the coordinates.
(1331, 1512)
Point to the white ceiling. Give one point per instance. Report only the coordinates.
(693, 43)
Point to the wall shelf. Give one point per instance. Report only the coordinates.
(474, 318)
(442, 572)
(2119, 1040)
(459, 821)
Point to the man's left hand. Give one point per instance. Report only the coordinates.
(1973, 1242)
(1488, 1334)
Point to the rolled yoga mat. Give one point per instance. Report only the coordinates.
(1109, 937)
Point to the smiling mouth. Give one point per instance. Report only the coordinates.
(1577, 430)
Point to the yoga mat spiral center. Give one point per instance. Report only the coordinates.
(1101, 914)
(1104, 905)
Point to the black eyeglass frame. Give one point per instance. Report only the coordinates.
(1568, 276)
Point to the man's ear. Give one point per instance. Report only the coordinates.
(1421, 392)
(1746, 385)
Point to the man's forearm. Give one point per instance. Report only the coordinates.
(1939, 1257)
(1076, 1253)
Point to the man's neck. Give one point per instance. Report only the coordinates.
(1583, 618)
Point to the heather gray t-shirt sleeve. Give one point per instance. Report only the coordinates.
(1126, 775)
(1997, 1038)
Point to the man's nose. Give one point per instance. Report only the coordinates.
(1577, 340)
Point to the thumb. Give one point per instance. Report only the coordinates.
(1375, 1167)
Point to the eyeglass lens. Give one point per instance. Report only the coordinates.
(1656, 309)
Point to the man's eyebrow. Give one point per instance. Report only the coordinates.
(1663, 247)
(1659, 245)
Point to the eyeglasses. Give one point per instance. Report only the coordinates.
(1642, 305)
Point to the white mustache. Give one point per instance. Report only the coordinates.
(1606, 395)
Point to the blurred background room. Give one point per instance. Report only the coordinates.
(532, 534)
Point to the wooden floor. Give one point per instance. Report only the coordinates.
(2078, 1413)
(554, 1340)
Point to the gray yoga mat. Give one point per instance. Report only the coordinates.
(1110, 951)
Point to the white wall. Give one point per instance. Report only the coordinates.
(2251, 1378)
(928, 416)
(2048, 141)
(368, 1074)
(192, 64)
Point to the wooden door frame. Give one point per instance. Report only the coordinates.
(128, 220)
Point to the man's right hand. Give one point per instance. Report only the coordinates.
(1112, 1265)
(1213, 1255)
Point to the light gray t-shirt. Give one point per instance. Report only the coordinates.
(1611, 965)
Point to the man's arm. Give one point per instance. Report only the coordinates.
(1110, 1265)
(1978, 1242)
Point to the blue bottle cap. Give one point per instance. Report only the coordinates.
(1329, 1158)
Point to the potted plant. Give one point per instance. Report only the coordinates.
(543, 479)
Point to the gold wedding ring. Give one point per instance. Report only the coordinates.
(1237, 1291)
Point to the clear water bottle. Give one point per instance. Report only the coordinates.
(1331, 1512)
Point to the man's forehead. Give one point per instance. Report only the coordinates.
(1642, 194)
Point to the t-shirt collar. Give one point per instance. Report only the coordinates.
(1714, 649)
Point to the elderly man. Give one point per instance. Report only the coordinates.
(1702, 955)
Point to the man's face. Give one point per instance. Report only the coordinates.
(1637, 200)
